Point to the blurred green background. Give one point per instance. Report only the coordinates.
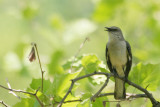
(60, 26)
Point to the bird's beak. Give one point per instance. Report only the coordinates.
(107, 29)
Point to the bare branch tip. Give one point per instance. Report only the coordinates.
(33, 44)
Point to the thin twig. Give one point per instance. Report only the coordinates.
(127, 94)
(130, 96)
(39, 101)
(20, 91)
(4, 104)
(81, 46)
(149, 95)
(69, 101)
(9, 86)
(100, 90)
(104, 102)
(40, 65)
(69, 91)
(105, 94)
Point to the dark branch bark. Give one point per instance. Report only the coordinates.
(105, 94)
(149, 95)
(79, 78)
(99, 91)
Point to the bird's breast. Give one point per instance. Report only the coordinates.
(117, 52)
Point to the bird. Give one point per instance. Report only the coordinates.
(119, 59)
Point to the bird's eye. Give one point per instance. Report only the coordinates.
(113, 29)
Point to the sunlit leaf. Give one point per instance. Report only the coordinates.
(146, 74)
(62, 83)
(74, 63)
(90, 63)
(36, 83)
(54, 65)
(25, 102)
(99, 102)
(85, 103)
(86, 95)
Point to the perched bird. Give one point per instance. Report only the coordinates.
(119, 59)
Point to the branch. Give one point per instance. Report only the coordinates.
(25, 92)
(4, 104)
(99, 91)
(40, 65)
(149, 95)
(76, 79)
(106, 94)
(146, 95)
(131, 96)
(79, 78)
(81, 46)
(20, 91)
(9, 86)
(69, 101)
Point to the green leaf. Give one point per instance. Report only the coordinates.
(90, 63)
(86, 95)
(99, 102)
(26, 102)
(36, 83)
(146, 74)
(103, 69)
(43, 97)
(62, 83)
(54, 66)
(74, 63)
(85, 103)
(98, 79)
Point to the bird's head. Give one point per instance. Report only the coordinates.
(114, 32)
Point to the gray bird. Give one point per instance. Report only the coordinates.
(119, 59)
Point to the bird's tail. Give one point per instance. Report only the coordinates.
(119, 91)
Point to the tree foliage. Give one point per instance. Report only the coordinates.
(59, 27)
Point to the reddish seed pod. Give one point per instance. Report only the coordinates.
(32, 55)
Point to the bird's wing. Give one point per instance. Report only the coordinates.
(129, 59)
(108, 60)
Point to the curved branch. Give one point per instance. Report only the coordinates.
(149, 95)
(4, 104)
(79, 78)
(99, 91)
